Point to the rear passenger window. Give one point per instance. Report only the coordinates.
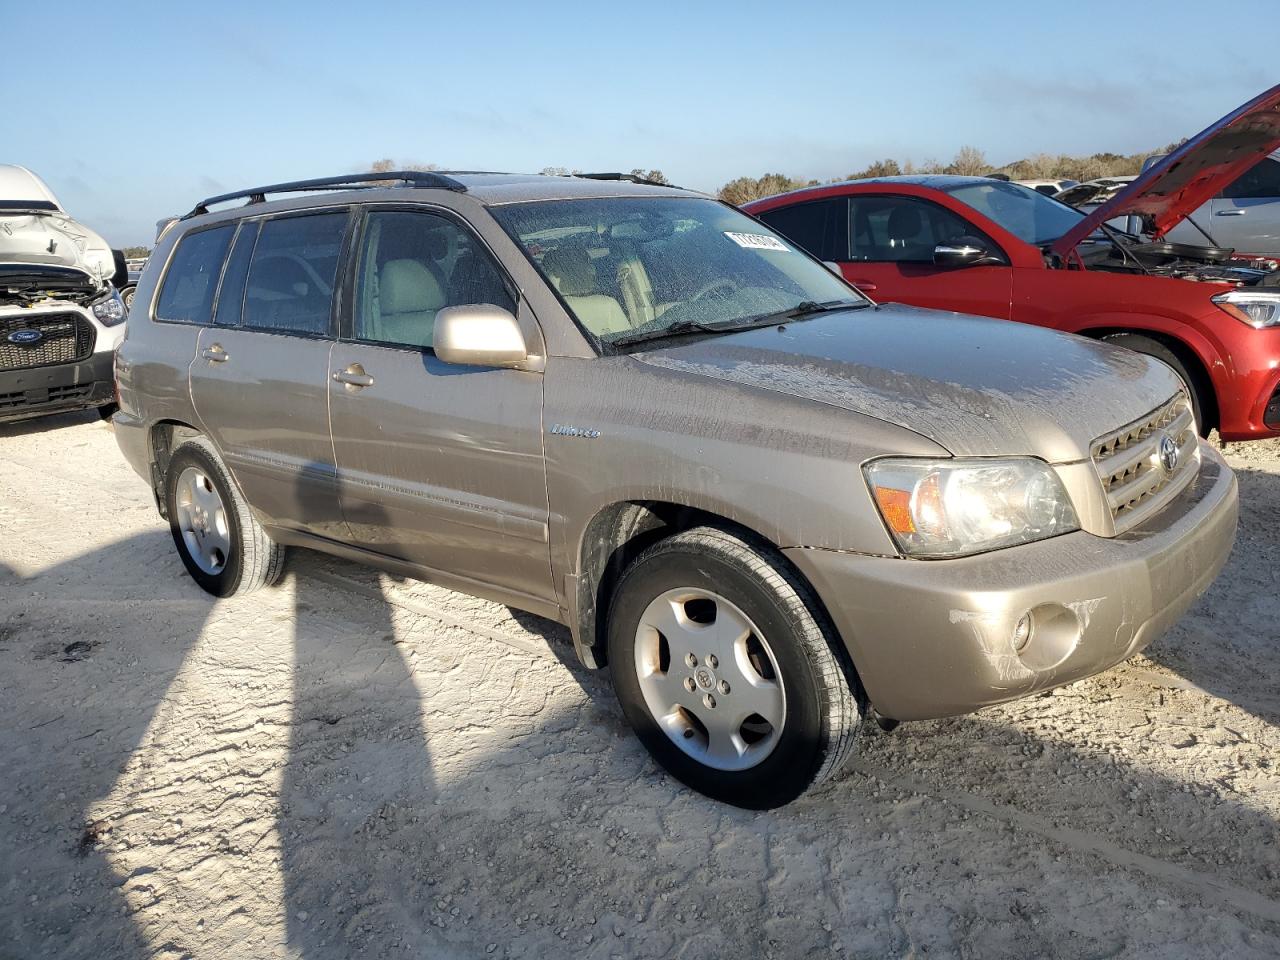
(189, 284)
(292, 272)
(819, 227)
(231, 294)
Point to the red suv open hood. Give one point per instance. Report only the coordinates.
(1196, 171)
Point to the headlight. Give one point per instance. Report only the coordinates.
(954, 508)
(110, 310)
(1257, 308)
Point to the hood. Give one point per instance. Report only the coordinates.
(31, 236)
(975, 386)
(31, 282)
(1173, 188)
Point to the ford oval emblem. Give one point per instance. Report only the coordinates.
(26, 337)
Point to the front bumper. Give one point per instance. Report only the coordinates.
(935, 638)
(36, 391)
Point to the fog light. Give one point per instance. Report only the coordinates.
(1022, 633)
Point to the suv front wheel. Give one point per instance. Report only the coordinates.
(222, 545)
(724, 669)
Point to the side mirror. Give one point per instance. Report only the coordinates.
(479, 334)
(833, 267)
(964, 252)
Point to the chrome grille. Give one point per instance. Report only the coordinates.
(1134, 477)
(63, 338)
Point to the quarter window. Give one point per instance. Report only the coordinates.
(189, 284)
(819, 227)
(900, 229)
(412, 266)
(1261, 181)
(292, 272)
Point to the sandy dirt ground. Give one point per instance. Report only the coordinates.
(353, 766)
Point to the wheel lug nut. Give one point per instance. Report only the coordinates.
(724, 686)
(690, 685)
(713, 661)
(710, 701)
(691, 660)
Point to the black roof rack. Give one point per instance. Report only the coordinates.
(355, 181)
(627, 177)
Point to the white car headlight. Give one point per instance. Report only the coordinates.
(1258, 308)
(110, 310)
(954, 508)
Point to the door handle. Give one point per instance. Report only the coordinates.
(215, 353)
(354, 377)
(1230, 213)
(866, 286)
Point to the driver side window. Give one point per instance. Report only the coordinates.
(900, 229)
(412, 266)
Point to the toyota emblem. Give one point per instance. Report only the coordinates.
(1168, 454)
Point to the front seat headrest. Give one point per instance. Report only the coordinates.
(407, 286)
(904, 223)
(572, 271)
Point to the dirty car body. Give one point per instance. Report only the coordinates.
(664, 372)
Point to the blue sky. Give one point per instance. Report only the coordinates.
(140, 109)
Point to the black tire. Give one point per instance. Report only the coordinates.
(823, 713)
(254, 559)
(1201, 392)
(126, 295)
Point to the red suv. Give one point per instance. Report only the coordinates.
(987, 246)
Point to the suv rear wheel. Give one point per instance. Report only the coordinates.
(223, 547)
(725, 671)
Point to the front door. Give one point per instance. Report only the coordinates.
(891, 242)
(259, 379)
(439, 465)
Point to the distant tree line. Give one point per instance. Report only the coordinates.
(968, 161)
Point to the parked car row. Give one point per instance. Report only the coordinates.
(999, 249)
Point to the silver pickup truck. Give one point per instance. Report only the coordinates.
(772, 507)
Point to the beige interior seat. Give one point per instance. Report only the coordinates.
(637, 291)
(409, 297)
(574, 275)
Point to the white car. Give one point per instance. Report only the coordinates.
(60, 317)
(1047, 187)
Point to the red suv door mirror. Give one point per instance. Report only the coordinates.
(965, 252)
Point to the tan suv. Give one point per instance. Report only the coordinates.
(770, 505)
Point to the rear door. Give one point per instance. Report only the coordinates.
(438, 464)
(1246, 215)
(259, 380)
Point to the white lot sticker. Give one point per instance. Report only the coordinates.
(756, 241)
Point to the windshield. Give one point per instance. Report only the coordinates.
(633, 267)
(1028, 215)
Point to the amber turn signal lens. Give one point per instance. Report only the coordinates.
(895, 505)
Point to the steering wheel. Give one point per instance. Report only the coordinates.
(718, 284)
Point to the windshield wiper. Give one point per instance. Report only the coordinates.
(672, 330)
(803, 309)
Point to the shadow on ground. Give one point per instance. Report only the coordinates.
(444, 793)
(1212, 646)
